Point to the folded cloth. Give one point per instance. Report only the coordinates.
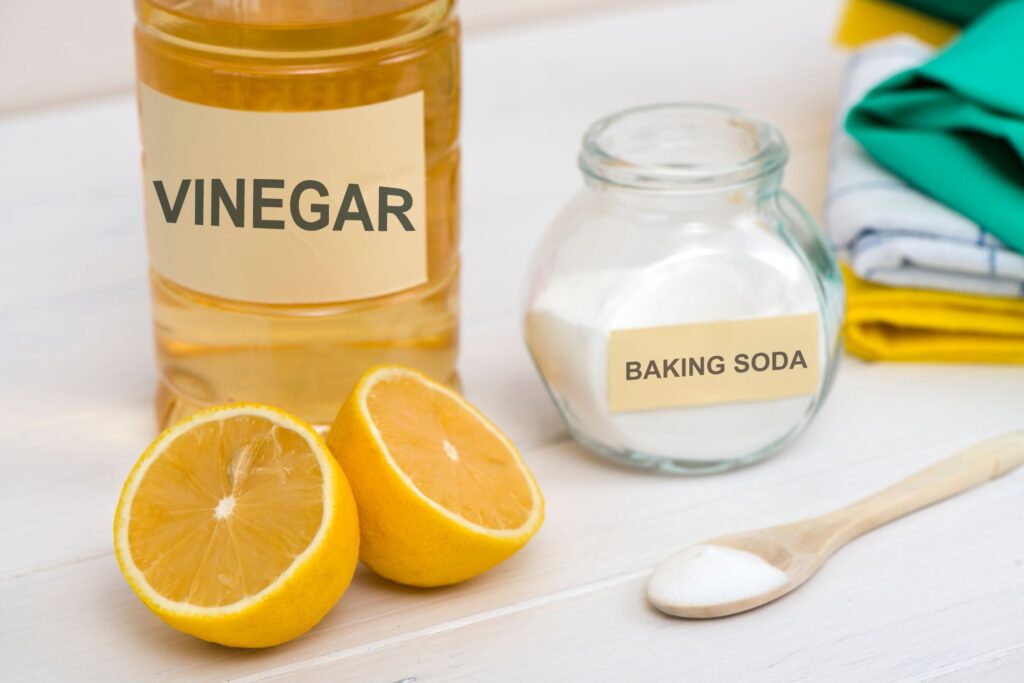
(954, 126)
(863, 21)
(894, 234)
(886, 323)
(954, 11)
(933, 21)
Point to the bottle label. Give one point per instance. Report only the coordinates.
(286, 207)
(707, 363)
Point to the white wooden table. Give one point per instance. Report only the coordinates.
(936, 596)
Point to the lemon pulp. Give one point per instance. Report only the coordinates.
(451, 456)
(224, 510)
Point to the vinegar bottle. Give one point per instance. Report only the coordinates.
(301, 180)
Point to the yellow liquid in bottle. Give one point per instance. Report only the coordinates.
(308, 55)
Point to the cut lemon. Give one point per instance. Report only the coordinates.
(442, 494)
(238, 527)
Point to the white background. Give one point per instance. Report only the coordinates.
(938, 596)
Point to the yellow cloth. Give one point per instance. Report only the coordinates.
(889, 323)
(867, 20)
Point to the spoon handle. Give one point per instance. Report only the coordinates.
(970, 467)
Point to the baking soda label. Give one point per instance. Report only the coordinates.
(707, 363)
(286, 207)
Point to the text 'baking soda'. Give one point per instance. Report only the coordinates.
(714, 365)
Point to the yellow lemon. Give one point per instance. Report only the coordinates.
(442, 494)
(237, 526)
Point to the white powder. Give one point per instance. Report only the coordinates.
(568, 328)
(704, 575)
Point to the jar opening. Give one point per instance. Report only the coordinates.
(681, 148)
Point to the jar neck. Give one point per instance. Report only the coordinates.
(712, 205)
(683, 159)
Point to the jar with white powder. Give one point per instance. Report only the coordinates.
(684, 311)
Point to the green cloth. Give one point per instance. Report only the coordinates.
(954, 127)
(958, 12)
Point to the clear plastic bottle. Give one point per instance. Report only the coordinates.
(272, 281)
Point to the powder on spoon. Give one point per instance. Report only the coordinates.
(705, 575)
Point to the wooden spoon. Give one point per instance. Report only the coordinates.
(714, 580)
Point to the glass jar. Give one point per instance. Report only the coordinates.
(684, 311)
(301, 166)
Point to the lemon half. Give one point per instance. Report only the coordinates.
(238, 526)
(443, 495)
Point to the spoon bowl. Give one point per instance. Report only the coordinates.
(752, 569)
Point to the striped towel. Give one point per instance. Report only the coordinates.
(893, 234)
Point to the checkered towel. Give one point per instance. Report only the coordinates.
(895, 235)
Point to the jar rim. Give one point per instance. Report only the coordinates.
(681, 147)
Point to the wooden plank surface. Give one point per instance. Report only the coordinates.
(938, 596)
